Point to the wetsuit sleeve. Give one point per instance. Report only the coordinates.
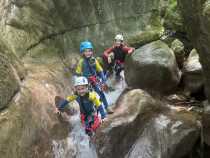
(128, 49)
(107, 52)
(78, 70)
(71, 98)
(66, 101)
(95, 99)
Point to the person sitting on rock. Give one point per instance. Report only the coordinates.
(89, 67)
(114, 57)
(89, 103)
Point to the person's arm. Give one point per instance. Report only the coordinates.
(128, 50)
(95, 98)
(78, 70)
(65, 102)
(107, 52)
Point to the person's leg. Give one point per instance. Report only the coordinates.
(102, 96)
(118, 69)
(103, 99)
(87, 123)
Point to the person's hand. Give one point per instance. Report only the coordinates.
(104, 120)
(131, 51)
(109, 60)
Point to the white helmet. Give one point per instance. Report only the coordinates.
(79, 81)
(119, 37)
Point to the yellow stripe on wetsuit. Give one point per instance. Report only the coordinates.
(92, 97)
(79, 70)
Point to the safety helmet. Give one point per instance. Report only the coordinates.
(80, 81)
(119, 37)
(85, 45)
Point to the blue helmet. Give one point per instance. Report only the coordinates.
(85, 45)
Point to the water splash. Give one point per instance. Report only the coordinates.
(77, 144)
(118, 89)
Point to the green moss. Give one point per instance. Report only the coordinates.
(173, 19)
(145, 37)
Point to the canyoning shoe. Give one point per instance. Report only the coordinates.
(109, 110)
(89, 133)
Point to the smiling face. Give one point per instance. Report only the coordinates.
(81, 90)
(88, 53)
(118, 43)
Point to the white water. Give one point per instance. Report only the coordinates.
(118, 86)
(77, 144)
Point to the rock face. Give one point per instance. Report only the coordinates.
(196, 14)
(8, 83)
(142, 127)
(193, 73)
(152, 67)
(59, 26)
(12, 72)
(29, 124)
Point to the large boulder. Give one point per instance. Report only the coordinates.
(143, 127)
(193, 73)
(152, 67)
(196, 14)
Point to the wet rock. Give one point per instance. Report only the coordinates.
(152, 67)
(193, 74)
(144, 127)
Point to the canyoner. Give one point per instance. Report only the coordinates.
(89, 103)
(114, 57)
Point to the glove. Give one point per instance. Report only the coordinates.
(109, 60)
(62, 104)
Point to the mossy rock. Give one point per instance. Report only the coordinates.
(145, 37)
